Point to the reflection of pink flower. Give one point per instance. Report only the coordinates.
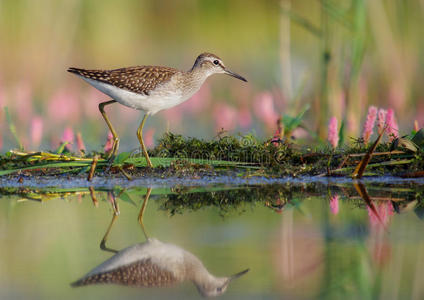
(334, 204)
(264, 109)
(382, 216)
(381, 120)
(80, 142)
(369, 124)
(333, 135)
(392, 126)
(109, 143)
(225, 116)
(68, 136)
(379, 218)
(36, 131)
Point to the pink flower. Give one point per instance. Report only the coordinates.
(278, 134)
(381, 120)
(80, 143)
(22, 101)
(109, 143)
(36, 131)
(416, 126)
(225, 117)
(64, 106)
(244, 117)
(264, 109)
(90, 105)
(334, 204)
(392, 126)
(333, 135)
(173, 117)
(148, 137)
(276, 138)
(68, 136)
(199, 102)
(369, 124)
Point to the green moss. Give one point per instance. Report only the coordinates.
(176, 155)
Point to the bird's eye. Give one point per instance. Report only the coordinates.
(216, 62)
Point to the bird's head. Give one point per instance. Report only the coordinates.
(218, 286)
(209, 64)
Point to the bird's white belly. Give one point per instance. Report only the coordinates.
(158, 99)
(166, 256)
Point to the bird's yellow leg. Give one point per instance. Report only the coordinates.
(114, 217)
(115, 145)
(143, 208)
(140, 139)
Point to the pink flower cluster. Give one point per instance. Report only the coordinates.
(369, 124)
(69, 137)
(392, 126)
(333, 133)
(265, 110)
(384, 118)
(381, 120)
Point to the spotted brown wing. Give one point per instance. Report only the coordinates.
(141, 79)
(140, 274)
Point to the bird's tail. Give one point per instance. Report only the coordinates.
(81, 282)
(77, 283)
(76, 71)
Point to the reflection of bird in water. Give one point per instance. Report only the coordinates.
(155, 264)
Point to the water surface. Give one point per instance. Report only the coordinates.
(299, 240)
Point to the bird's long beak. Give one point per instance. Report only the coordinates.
(228, 72)
(239, 274)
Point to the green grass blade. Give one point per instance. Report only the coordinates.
(12, 128)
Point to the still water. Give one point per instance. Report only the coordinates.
(299, 241)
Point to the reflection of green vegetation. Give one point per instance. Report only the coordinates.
(238, 199)
(226, 201)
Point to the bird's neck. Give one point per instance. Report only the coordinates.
(196, 271)
(198, 74)
(193, 80)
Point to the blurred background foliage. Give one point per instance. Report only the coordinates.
(339, 57)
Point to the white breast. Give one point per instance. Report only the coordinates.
(166, 256)
(163, 97)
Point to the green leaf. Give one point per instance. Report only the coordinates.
(404, 143)
(45, 166)
(419, 211)
(61, 147)
(12, 128)
(302, 22)
(341, 133)
(121, 158)
(418, 138)
(291, 123)
(125, 197)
